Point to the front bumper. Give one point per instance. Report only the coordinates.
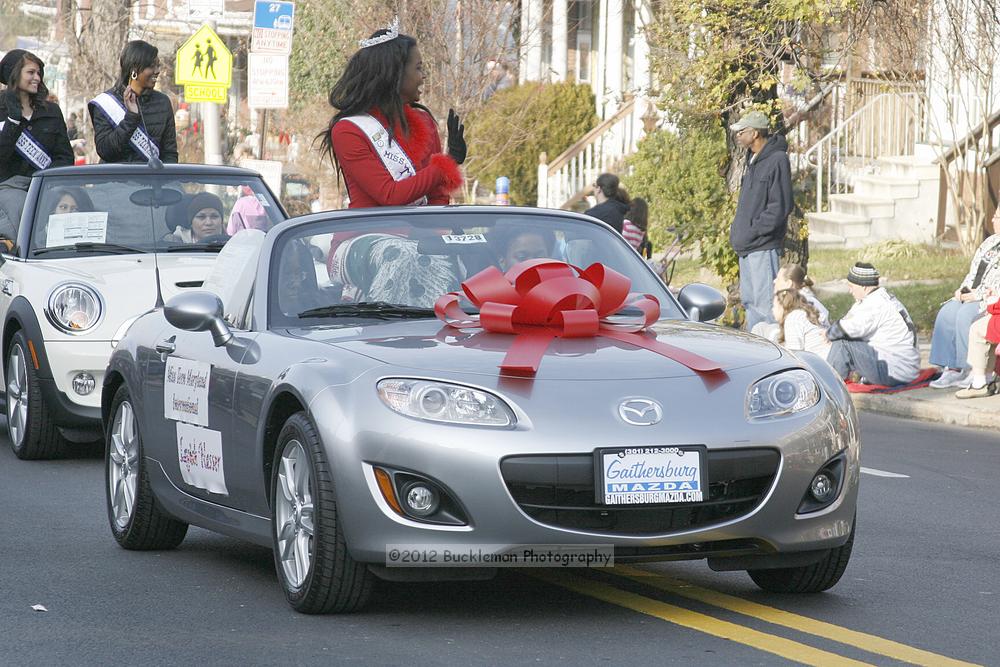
(468, 462)
(66, 359)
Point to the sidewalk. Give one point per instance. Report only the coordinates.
(934, 405)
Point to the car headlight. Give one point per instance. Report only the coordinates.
(74, 308)
(782, 394)
(442, 402)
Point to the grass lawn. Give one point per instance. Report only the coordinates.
(896, 261)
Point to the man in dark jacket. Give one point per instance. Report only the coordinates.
(765, 202)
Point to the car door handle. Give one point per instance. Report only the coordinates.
(166, 346)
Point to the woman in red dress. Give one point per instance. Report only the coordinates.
(381, 140)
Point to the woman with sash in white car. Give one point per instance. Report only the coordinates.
(133, 122)
(32, 134)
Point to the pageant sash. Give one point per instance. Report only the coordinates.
(395, 159)
(30, 149)
(114, 111)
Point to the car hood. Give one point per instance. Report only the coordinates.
(429, 346)
(135, 274)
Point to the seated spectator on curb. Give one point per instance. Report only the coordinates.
(984, 334)
(792, 276)
(876, 339)
(949, 342)
(799, 325)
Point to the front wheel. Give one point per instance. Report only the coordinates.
(314, 568)
(813, 578)
(33, 433)
(137, 521)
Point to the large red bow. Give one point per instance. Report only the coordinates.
(541, 299)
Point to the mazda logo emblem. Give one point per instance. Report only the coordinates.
(640, 412)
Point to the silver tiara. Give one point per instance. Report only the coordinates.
(393, 33)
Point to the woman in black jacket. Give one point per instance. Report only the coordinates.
(33, 134)
(612, 202)
(133, 122)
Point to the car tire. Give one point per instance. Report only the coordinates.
(315, 570)
(814, 578)
(30, 426)
(141, 524)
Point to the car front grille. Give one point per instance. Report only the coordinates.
(559, 491)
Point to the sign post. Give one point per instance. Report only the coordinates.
(205, 68)
(267, 65)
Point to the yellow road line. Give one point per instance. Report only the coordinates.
(786, 648)
(862, 640)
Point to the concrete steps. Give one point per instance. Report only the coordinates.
(898, 201)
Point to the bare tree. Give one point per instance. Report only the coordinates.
(964, 84)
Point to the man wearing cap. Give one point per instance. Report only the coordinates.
(876, 339)
(758, 230)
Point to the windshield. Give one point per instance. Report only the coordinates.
(87, 215)
(397, 265)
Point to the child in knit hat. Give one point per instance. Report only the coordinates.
(876, 339)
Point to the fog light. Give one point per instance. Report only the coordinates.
(421, 500)
(84, 383)
(822, 487)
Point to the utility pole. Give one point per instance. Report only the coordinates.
(211, 125)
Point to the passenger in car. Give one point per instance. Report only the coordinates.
(70, 200)
(385, 267)
(203, 220)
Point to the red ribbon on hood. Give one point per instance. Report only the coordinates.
(541, 299)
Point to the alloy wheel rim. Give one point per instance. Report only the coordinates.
(294, 512)
(17, 396)
(123, 465)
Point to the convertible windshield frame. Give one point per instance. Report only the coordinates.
(125, 182)
(270, 314)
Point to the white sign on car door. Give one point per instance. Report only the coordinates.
(185, 390)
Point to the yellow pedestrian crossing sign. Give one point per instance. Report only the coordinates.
(204, 60)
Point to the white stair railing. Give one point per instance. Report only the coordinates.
(571, 174)
(890, 124)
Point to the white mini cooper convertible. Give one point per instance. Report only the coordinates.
(96, 247)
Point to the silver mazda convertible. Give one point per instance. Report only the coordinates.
(356, 385)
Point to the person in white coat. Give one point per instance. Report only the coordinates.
(799, 323)
(876, 339)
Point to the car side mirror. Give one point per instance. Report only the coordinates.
(199, 311)
(701, 302)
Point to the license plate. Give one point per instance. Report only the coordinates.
(647, 475)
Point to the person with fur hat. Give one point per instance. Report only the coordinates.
(876, 340)
(32, 130)
(202, 222)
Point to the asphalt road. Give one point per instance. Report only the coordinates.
(923, 587)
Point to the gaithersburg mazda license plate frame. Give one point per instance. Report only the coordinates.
(661, 455)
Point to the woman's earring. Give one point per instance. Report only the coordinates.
(134, 75)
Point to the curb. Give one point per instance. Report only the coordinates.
(978, 413)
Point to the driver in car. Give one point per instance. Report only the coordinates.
(202, 222)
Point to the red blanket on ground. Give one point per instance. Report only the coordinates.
(923, 379)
